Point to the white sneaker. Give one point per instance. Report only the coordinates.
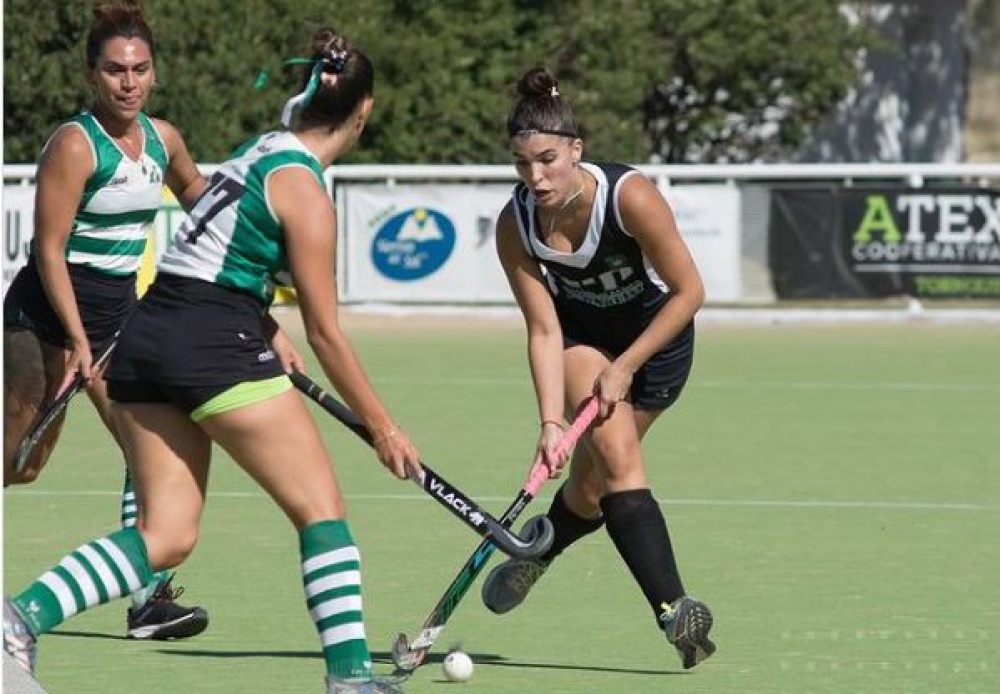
(375, 685)
(18, 641)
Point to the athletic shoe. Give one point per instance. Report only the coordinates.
(686, 623)
(162, 618)
(376, 685)
(509, 582)
(18, 640)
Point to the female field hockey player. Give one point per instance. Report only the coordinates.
(194, 366)
(99, 183)
(608, 292)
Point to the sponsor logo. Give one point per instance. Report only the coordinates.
(267, 355)
(444, 493)
(413, 244)
(927, 232)
(614, 287)
(118, 181)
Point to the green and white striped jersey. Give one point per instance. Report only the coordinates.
(232, 237)
(119, 200)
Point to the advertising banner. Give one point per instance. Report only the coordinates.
(18, 228)
(422, 243)
(708, 217)
(434, 243)
(876, 242)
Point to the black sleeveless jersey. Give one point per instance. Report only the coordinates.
(606, 292)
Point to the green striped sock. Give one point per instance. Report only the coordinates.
(96, 573)
(331, 571)
(130, 510)
(130, 517)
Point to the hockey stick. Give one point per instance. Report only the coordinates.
(538, 535)
(56, 408)
(408, 655)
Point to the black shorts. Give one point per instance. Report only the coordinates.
(659, 382)
(104, 302)
(188, 341)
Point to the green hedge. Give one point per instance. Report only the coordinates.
(661, 80)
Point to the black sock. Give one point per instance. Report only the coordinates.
(568, 526)
(638, 529)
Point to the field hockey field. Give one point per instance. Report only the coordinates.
(833, 492)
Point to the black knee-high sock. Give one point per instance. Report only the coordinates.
(638, 529)
(568, 526)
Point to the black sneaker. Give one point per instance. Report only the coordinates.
(507, 585)
(161, 618)
(686, 623)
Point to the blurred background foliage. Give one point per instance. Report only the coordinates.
(652, 80)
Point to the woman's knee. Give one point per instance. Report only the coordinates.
(583, 490)
(39, 456)
(25, 475)
(616, 452)
(617, 461)
(169, 549)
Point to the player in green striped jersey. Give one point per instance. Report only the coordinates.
(99, 184)
(199, 363)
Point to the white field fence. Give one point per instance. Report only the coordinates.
(419, 237)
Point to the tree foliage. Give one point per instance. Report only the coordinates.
(749, 79)
(675, 80)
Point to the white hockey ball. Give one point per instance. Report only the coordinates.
(457, 666)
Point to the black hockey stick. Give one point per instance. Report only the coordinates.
(56, 408)
(538, 535)
(408, 655)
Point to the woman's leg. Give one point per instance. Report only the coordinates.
(575, 510)
(181, 468)
(606, 487)
(32, 372)
(168, 457)
(154, 614)
(613, 473)
(170, 479)
(278, 444)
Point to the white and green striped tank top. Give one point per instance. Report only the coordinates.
(119, 200)
(232, 237)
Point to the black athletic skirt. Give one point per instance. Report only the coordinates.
(188, 341)
(104, 302)
(659, 382)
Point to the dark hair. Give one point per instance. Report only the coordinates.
(114, 19)
(333, 103)
(540, 108)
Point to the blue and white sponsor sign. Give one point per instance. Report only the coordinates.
(412, 244)
(421, 243)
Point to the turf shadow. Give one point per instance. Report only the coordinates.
(380, 657)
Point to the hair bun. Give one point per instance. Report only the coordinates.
(331, 49)
(537, 82)
(334, 61)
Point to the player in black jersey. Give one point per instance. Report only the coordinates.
(608, 291)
